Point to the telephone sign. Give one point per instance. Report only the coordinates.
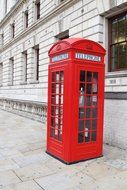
(75, 100)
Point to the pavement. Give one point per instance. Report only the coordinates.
(24, 165)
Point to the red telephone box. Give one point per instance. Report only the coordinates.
(75, 100)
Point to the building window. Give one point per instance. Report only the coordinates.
(37, 3)
(2, 39)
(11, 82)
(118, 42)
(13, 30)
(25, 64)
(36, 49)
(26, 19)
(62, 35)
(1, 74)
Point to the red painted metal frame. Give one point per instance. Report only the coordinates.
(69, 150)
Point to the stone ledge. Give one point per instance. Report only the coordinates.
(31, 109)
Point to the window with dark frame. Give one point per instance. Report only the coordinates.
(25, 72)
(26, 18)
(62, 35)
(38, 9)
(1, 74)
(36, 49)
(2, 39)
(11, 71)
(37, 64)
(13, 30)
(118, 42)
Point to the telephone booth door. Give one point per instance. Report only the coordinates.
(89, 129)
(57, 92)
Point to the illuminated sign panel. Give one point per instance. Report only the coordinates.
(87, 57)
(60, 57)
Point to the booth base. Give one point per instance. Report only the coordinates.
(74, 162)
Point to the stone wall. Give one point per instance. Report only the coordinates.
(33, 110)
(115, 131)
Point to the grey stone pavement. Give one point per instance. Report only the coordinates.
(24, 165)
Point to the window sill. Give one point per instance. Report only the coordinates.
(10, 84)
(23, 83)
(34, 82)
(116, 74)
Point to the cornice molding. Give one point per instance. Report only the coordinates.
(11, 12)
(58, 9)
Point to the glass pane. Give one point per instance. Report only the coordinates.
(94, 100)
(53, 99)
(56, 134)
(61, 76)
(114, 63)
(61, 88)
(122, 49)
(53, 76)
(61, 99)
(53, 121)
(81, 101)
(57, 76)
(122, 62)
(87, 126)
(114, 51)
(81, 113)
(88, 100)
(89, 89)
(82, 88)
(53, 88)
(95, 77)
(94, 124)
(56, 121)
(94, 88)
(81, 125)
(114, 31)
(122, 55)
(94, 113)
(87, 136)
(80, 137)
(57, 99)
(88, 113)
(57, 88)
(89, 76)
(121, 29)
(94, 136)
(53, 111)
(82, 76)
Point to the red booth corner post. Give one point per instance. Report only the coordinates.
(75, 100)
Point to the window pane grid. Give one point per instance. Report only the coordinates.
(57, 94)
(88, 107)
(118, 43)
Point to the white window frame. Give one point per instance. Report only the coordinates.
(1, 74)
(36, 61)
(25, 66)
(11, 73)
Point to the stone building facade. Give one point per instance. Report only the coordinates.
(28, 28)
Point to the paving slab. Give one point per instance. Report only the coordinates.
(65, 180)
(28, 185)
(8, 178)
(33, 171)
